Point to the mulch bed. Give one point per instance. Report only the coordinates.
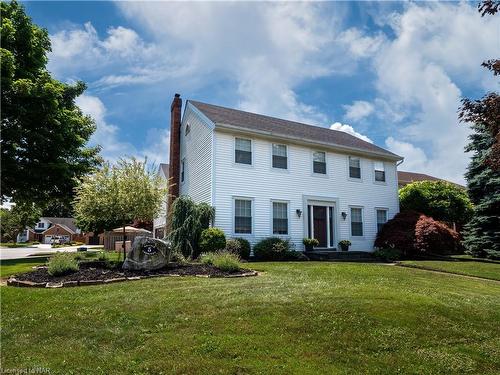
(96, 272)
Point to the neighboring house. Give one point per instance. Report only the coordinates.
(405, 178)
(49, 227)
(270, 177)
(160, 222)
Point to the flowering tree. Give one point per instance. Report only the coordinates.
(118, 195)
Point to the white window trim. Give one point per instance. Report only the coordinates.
(357, 238)
(233, 214)
(271, 230)
(314, 174)
(252, 141)
(281, 170)
(386, 216)
(373, 173)
(349, 178)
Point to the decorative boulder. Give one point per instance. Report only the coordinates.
(147, 254)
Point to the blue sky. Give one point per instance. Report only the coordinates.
(390, 72)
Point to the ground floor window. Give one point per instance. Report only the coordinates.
(280, 218)
(381, 218)
(243, 216)
(356, 221)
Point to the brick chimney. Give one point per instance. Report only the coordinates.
(175, 148)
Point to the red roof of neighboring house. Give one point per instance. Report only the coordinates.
(405, 178)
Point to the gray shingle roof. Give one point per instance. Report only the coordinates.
(288, 129)
(68, 222)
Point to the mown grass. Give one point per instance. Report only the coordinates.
(488, 270)
(13, 266)
(296, 318)
(18, 244)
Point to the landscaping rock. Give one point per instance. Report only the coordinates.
(147, 254)
(54, 285)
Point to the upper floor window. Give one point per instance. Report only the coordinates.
(381, 219)
(379, 171)
(40, 225)
(354, 167)
(243, 216)
(188, 129)
(280, 159)
(243, 151)
(319, 162)
(356, 221)
(280, 218)
(183, 169)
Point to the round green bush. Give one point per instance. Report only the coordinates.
(272, 248)
(62, 264)
(239, 246)
(212, 239)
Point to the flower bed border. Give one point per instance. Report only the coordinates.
(12, 281)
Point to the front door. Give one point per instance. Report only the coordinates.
(320, 225)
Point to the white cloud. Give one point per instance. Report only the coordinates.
(437, 47)
(358, 110)
(156, 146)
(350, 130)
(359, 44)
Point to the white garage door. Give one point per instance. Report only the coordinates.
(63, 238)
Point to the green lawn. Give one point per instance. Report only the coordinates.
(19, 244)
(296, 318)
(488, 270)
(13, 266)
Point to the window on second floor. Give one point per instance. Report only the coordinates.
(354, 167)
(280, 218)
(379, 171)
(243, 151)
(280, 159)
(356, 221)
(40, 225)
(188, 129)
(183, 169)
(243, 216)
(319, 162)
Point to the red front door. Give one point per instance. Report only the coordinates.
(320, 225)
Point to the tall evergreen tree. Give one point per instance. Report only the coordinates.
(44, 133)
(482, 233)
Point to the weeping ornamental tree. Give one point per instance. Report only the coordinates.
(117, 195)
(187, 221)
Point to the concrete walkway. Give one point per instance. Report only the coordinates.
(36, 250)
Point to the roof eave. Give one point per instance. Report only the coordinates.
(222, 126)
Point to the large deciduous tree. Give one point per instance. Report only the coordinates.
(44, 134)
(440, 200)
(482, 233)
(15, 220)
(117, 195)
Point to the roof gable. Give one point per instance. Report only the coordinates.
(256, 123)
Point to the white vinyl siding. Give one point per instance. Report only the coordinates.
(196, 152)
(264, 184)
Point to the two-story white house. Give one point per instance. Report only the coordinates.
(271, 177)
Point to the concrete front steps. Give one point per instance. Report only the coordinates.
(347, 256)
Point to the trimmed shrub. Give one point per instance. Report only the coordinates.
(416, 234)
(239, 246)
(212, 239)
(224, 260)
(387, 255)
(435, 237)
(178, 257)
(272, 248)
(62, 264)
